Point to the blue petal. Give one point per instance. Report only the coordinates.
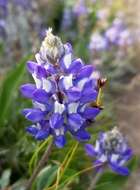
(32, 130)
(119, 169)
(41, 72)
(82, 135)
(127, 154)
(51, 69)
(73, 94)
(42, 134)
(56, 120)
(33, 115)
(90, 150)
(60, 141)
(31, 66)
(27, 90)
(85, 72)
(75, 66)
(66, 62)
(75, 121)
(89, 96)
(41, 96)
(90, 113)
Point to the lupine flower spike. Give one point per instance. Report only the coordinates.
(111, 148)
(63, 93)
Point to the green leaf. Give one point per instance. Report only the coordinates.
(9, 87)
(5, 178)
(46, 177)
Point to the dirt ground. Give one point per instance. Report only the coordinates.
(128, 116)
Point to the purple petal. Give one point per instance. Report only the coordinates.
(33, 115)
(75, 121)
(85, 72)
(27, 90)
(41, 71)
(42, 134)
(128, 154)
(32, 130)
(119, 169)
(31, 66)
(73, 94)
(68, 48)
(56, 120)
(90, 151)
(89, 96)
(90, 113)
(75, 66)
(82, 135)
(60, 141)
(41, 96)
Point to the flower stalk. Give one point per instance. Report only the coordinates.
(44, 159)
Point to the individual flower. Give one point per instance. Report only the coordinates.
(97, 42)
(111, 148)
(63, 94)
(80, 8)
(125, 38)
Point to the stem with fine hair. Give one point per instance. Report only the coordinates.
(42, 162)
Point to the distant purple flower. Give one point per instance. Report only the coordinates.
(125, 38)
(25, 4)
(111, 148)
(62, 94)
(97, 42)
(80, 8)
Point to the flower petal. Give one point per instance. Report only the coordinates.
(31, 66)
(32, 130)
(56, 120)
(27, 90)
(90, 151)
(89, 96)
(73, 94)
(75, 121)
(90, 113)
(41, 96)
(33, 115)
(60, 141)
(85, 72)
(82, 135)
(75, 66)
(119, 169)
(42, 134)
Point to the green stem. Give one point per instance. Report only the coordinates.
(42, 162)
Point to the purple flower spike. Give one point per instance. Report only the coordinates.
(62, 95)
(111, 148)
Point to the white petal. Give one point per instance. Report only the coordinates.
(81, 83)
(103, 158)
(58, 108)
(114, 158)
(59, 132)
(40, 106)
(67, 60)
(67, 82)
(95, 75)
(72, 108)
(47, 85)
(38, 58)
(38, 82)
(97, 146)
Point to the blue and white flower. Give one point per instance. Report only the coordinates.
(111, 148)
(63, 93)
